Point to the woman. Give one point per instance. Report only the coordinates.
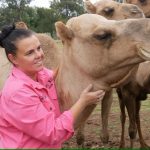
(29, 115)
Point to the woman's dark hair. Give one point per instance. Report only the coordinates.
(9, 35)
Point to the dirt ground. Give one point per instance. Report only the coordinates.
(93, 127)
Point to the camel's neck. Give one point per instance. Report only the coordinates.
(70, 82)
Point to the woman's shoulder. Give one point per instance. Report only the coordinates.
(50, 71)
(12, 86)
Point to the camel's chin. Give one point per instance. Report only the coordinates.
(144, 53)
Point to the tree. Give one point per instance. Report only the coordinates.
(46, 20)
(39, 19)
(67, 8)
(16, 8)
(30, 17)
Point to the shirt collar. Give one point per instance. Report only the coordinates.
(42, 77)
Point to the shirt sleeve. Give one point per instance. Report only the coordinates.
(26, 112)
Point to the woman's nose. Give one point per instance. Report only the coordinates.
(38, 54)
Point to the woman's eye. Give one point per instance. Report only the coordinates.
(29, 52)
(39, 48)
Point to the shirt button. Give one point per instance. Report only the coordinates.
(50, 108)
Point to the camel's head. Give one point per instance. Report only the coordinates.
(114, 10)
(21, 25)
(102, 49)
(143, 4)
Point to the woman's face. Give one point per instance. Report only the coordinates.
(29, 56)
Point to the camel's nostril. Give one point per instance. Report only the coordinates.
(135, 11)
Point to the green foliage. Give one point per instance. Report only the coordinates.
(67, 8)
(15, 9)
(39, 19)
(45, 20)
(30, 17)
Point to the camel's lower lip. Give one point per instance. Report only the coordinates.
(144, 53)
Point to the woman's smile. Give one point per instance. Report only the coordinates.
(29, 56)
(39, 63)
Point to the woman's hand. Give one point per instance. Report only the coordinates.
(89, 97)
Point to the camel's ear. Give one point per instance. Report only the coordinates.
(63, 32)
(89, 7)
(21, 25)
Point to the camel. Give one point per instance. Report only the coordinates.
(132, 103)
(113, 10)
(98, 51)
(116, 11)
(5, 66)
(125, 99)
(143, 4)
(130, 96)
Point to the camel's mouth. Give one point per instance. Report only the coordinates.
(144, 53)
(147, 14)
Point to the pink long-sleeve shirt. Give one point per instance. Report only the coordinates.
(29, 113)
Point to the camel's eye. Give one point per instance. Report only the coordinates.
(142, 1)
(103, 36)
(108, 11)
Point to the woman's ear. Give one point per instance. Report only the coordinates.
(12, 59)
